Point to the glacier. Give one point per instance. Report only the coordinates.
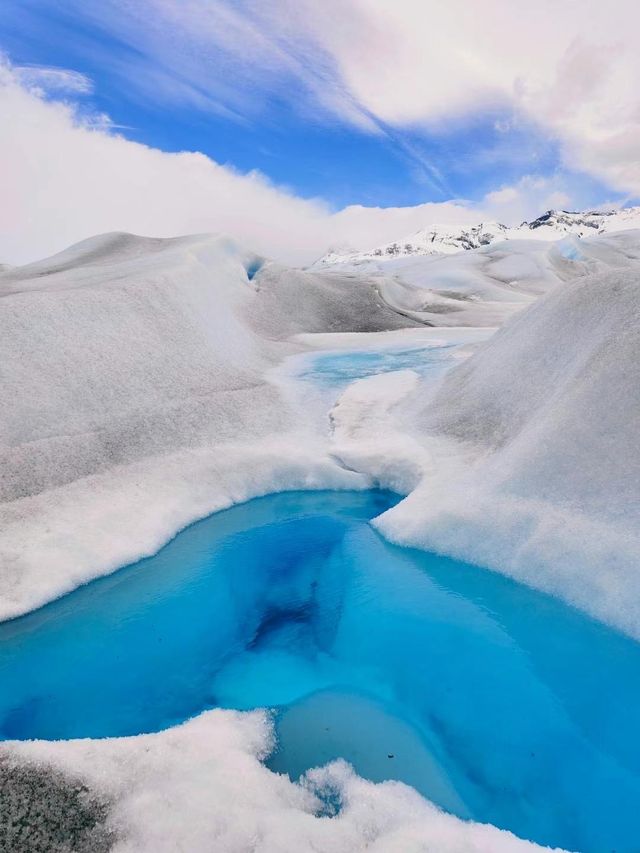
(147, 383)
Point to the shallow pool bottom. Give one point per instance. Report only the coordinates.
(497, 702)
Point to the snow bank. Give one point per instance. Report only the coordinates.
(120, 348)
(537, 441)
(293, 302)
(201, 787)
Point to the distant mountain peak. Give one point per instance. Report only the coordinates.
(449, 239)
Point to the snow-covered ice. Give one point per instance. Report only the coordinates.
(534, 460)
(482, 276)
(147, 383)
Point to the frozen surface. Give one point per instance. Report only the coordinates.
(148, 383)
(497, 703)
(478, 288)
(291, 302)
(123, 347)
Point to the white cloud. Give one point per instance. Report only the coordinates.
(531, 196)
(69, 176)
(66, 179)
(503, 195)
(570, 66)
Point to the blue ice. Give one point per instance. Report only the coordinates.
(569, 249)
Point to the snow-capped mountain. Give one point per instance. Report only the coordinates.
(446, 239)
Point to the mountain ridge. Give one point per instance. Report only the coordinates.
(439, 239)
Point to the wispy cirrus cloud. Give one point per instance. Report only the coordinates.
(570, 68)
(47, 79)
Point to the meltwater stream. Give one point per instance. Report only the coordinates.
(497, 702)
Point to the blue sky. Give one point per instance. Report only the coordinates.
(318, 122)
(311, 153)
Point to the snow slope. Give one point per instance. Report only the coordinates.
(495, 278)
(138, 382)
(530, 461)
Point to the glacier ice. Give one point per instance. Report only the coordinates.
(546, 415)
(147, 383)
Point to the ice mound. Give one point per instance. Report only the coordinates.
(119, 348)
(294, 302)
(546, 416)
(123, 347)
(486, 285)
(477, 288)
(481, 287)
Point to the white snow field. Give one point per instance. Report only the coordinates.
(147, 383)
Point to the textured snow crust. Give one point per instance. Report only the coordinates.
(200, 787)
(486, 286)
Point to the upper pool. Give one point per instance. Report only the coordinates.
(337, 368)
(497, 702)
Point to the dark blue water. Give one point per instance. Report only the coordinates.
(495, 701)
